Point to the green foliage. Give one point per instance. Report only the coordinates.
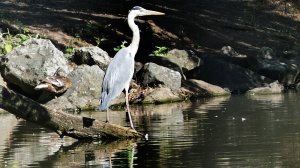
(8, 41)
(161, 51)
(69, 50)
(118, 48)
(98, 40)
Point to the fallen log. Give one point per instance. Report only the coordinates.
(61, 122)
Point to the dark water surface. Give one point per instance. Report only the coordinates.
(237, 131)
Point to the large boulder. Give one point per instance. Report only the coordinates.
(85, 91)
(226, 75)
(199, 88)
(177, 60)
(161, 95)
(91, 56)
(183, 59)
(31, 62)
(154, 74)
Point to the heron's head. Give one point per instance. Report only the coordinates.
(139, 11)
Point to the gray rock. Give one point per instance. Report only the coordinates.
(199, 88)
(177, 60)
(91, 56)
(154, 74)
(183, 59)
(85, 90)
(31, 62)
(161, 95)
(226, 75)
(272, 88)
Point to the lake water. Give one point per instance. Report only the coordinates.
(236, 131)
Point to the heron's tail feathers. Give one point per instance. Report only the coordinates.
(104, 101)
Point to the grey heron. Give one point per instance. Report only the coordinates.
(120, 70)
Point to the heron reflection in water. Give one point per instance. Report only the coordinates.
(120, 70)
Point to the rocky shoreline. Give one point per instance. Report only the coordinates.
(179, 76)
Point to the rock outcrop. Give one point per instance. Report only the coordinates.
(183, 59)
(199, 88)
(31, 62)
(91, 56)
(85, 91)
(161, 95)
(154, 75)
(227, 75)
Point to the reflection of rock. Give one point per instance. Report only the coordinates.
(159, 109)
(92, 154)
(272, 88)
(273, 98)
(214, 103)
(7, 124)
(39, 145)
(85, 90)
(29, 63)
(168, 115)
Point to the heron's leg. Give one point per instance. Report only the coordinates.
(107, 115)
(127, 106)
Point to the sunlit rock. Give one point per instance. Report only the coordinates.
(199, 88)
(183, 59)
(91, 56)
(85, 90)
(161, 95)
(271, 88)
(155, 75)
(177, 60)
(31, 62)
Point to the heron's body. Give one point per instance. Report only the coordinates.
(120, 70)
(114, 83)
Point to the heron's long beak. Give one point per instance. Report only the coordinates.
(151, 12)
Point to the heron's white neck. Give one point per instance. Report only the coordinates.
(136, 34)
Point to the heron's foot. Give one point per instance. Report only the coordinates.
(133, 128)
(107, 121)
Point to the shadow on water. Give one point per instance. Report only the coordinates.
(234, 131)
